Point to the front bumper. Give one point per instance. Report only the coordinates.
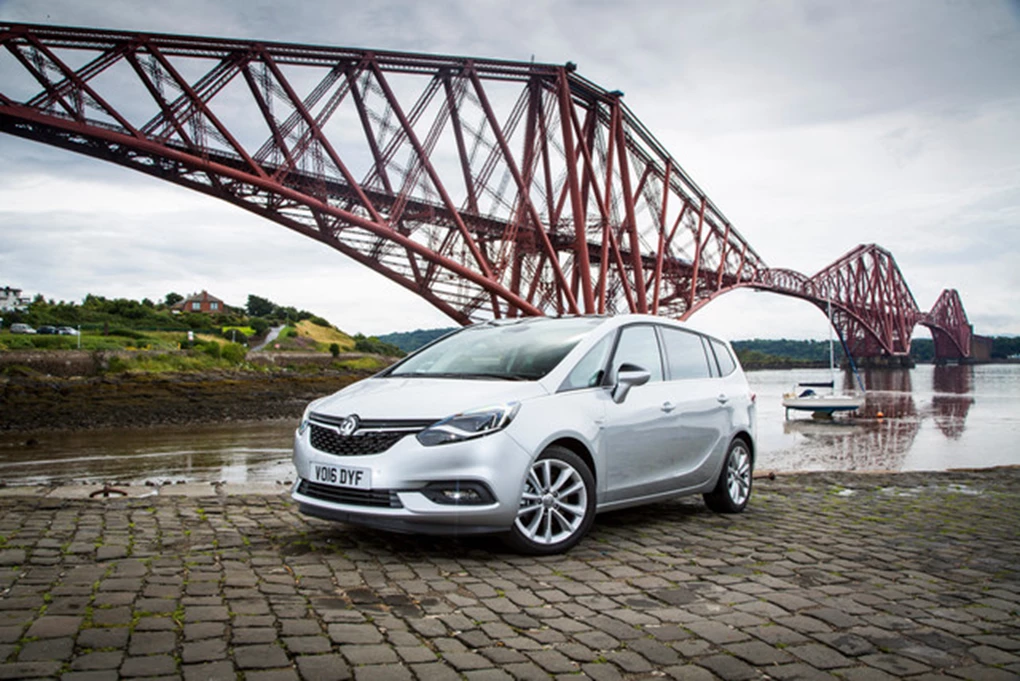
(395, 501)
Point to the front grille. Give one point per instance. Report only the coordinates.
(379, 498)
(328, 440)
(371, 437)
(408, 425)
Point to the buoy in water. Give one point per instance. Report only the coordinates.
(879, 415)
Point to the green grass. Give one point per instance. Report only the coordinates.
(361, 364)
(169, 362)
(155, 340)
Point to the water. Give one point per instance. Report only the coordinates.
(934, 418)
(236, 452)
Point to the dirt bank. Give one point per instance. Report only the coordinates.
(30, 403)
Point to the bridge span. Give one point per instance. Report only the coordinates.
(489, 188)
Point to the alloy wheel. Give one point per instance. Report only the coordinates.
(554, 504)
(738, 475)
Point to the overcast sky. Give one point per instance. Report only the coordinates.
(814, 126)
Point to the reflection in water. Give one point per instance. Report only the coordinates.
(951, 402)
(933, 418)
(953, 378)
(890, 393)
(232, 452)
(855, 444)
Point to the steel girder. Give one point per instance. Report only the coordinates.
(948, 323)
(490, 188)
(873, 310)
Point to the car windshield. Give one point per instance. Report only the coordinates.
(523, 350)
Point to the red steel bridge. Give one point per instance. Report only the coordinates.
(490, 188)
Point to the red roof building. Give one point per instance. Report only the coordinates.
(200, 302)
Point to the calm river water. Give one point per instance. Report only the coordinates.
(933, 418)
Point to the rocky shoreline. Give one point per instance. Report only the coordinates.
(37, 402)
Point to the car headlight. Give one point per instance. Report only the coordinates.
(469, 425)
(303, 425)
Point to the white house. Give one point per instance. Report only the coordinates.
(11, 299)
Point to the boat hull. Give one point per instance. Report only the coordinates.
(824, 403)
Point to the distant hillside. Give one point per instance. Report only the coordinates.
(409, 341)
(759, 352)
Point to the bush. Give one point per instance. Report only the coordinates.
(376, 347)
(260, 326)
(236, 334)
(234, 353)
(212, 349)
(117, 365)
(319, 321)
(127, 333)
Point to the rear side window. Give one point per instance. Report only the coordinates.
(638, 346)
(727, 365)
(685, 355)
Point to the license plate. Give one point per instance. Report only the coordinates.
(342, 476)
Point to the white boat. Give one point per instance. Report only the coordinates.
(809, 400)
(804, 397)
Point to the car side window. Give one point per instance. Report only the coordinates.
(685, 355)
(591, 370)
(639, 345)
(727, 365)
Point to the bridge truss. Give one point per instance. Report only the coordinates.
(490, 188)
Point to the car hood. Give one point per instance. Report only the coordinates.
(422, 398)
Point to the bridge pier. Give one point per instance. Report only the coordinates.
(885, 362)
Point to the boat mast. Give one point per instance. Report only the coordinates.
(832, 357)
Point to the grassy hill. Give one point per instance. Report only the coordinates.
(324, 335)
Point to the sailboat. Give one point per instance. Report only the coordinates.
(824, 404)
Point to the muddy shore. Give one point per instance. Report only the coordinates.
(41, 403)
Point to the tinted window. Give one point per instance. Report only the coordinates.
(590, 371)
(685, 355)
(638, 346)
(727, 364)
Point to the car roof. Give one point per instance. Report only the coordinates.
(608, 322)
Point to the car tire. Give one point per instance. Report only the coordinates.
(557, 506)
(733, 489)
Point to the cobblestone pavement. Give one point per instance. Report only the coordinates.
(825, 576)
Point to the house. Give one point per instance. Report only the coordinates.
(200, 302)
(11, 300)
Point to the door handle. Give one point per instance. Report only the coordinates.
(668, 406)
(723, 399)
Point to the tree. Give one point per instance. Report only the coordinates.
(173, 298)
(375, 346)
(260, 307)
(259, 325)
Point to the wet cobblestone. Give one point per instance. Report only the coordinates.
(826, 576)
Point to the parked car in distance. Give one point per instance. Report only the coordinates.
(529, 427)
(67, 331)
(21, 328)
(47, 330)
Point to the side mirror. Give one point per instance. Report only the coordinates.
(628, 376)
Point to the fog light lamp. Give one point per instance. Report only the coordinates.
(458, 493)
(461, 496)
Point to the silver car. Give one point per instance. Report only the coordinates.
(529, 427)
